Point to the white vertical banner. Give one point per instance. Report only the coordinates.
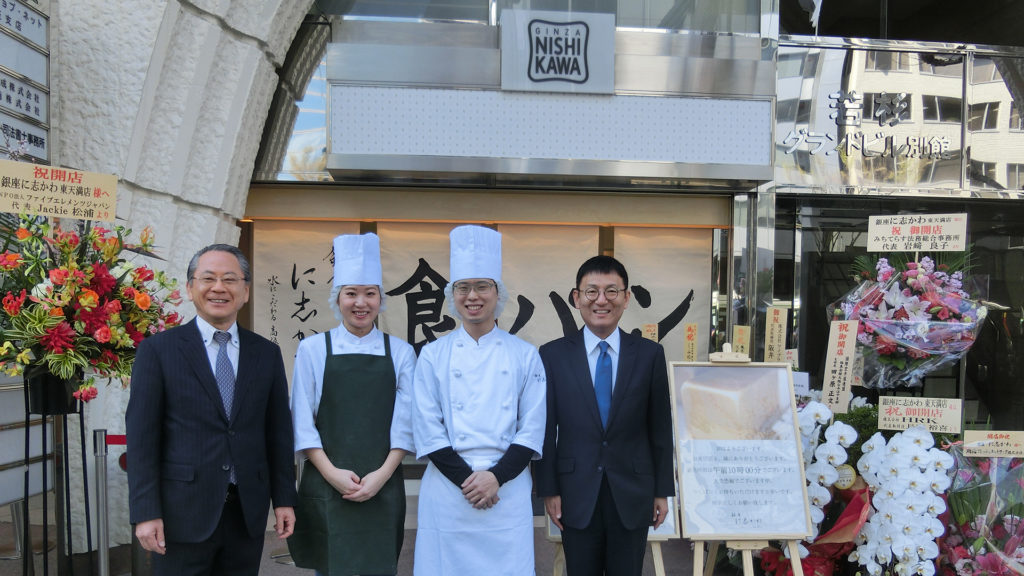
(293, 269)
(540, 264)
(839, 365)
(670, 280)
(415, 258)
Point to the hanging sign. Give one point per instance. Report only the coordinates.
(994, 443)
(917, 233)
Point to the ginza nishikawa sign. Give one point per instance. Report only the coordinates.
(557, 51)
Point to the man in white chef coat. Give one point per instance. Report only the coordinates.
(479, 414)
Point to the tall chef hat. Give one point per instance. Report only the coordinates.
(475, 253)
(357, 260)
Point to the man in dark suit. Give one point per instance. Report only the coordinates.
(209, 432)
(607, 466)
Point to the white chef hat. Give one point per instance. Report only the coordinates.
(475, 253)
(356, 263)
(357, 260)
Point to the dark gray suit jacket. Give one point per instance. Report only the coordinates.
(635, 452)
(180, 440)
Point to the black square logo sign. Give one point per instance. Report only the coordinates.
(558, 51)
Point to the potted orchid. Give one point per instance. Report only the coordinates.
(74, 308)
(914, 318)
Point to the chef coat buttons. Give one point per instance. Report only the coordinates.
(458, 345)
(225, 468)
(504, 372)
(462, 436)
(458, 405)
(457, 373)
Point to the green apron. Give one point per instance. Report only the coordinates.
(335, 536)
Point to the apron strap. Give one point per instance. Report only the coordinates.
(327, 339)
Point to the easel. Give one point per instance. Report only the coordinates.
(746, 548)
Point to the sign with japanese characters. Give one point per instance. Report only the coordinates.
(994, 443)
(61, 192)
(293, 270)
(775, 334)
(741, 339)
(22, 97)
(738, 452)
(293, 267)
(21, 19)
(917, 233)
(839, 374)
(558, 52)
(690, 331)
(939, 415)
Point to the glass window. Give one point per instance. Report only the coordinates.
(984, 71)
(887, 61)
(1016, 117)
(941, 108)
(982, 174)
(1015, 176)
(983, 116)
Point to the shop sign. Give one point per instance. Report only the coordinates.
(14, 131)
(690, 342)
(546, 51)
(918, 233)
(18, 18)
(21, 97)
(59, 192)
(939, 415)
(838, 377)
(741, 339)
(871, 137)
(994, 443)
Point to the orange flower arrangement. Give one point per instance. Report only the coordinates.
(71, 302)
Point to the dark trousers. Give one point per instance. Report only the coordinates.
(229, 551)
(605, 546)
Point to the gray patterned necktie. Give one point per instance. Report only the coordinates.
(225, 372)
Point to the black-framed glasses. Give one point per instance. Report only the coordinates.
(610, 294)
(482, 288)
(228, 280)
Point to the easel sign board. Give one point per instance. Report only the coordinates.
(668, 530)
(738, 452)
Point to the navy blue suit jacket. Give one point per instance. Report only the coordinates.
(634, 452)
(180, 440)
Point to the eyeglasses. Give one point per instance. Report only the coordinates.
(229, 281)
(481, 288)
(610, 294)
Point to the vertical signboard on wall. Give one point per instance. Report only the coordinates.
(24, 78)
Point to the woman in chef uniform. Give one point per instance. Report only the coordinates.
(479, 413)
(351, 412)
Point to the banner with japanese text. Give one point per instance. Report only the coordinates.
(293, 268)
(40, 190)
(670, 280)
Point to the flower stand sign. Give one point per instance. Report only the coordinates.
(913, 319)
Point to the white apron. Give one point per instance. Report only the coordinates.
(452, 537)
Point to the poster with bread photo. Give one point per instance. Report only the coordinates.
(738, 452)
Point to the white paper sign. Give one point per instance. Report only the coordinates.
(917, 233)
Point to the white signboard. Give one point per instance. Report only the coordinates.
(18, 17)
(21, 97)
(917, 233)
(839, 365)
(558, 51)
(739, 457)
(23, 59)
(14, 130)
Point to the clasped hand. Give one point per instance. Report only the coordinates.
(481, 489)
(352, 487)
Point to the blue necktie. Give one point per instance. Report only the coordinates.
(603, 383)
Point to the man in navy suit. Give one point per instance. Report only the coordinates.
(209, 432)
(607, 466)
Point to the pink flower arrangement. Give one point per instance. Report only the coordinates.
(71, 302)
(985, 519)
(911, 321)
